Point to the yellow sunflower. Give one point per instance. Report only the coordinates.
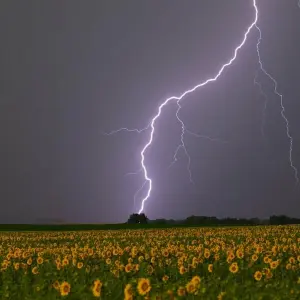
(65, 288)
(143, 286)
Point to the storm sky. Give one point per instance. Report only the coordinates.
(71, 70)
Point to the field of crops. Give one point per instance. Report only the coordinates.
(200, 263)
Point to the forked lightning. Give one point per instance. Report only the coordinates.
(151, 128)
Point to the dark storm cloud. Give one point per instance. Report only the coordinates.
(70, 71)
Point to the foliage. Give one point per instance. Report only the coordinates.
(260, 262)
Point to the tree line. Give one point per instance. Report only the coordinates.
(213, 221)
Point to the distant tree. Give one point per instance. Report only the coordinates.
(143, 219)
(201, 220)
(137, 219)
(159, 221)
(255, 221)
(133, 219)
(279, 220)
(283, 220)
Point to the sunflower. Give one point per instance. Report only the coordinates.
(143, 286)
(182, 270)
(128, 268)
(40, 260)
(292, 260)
(97, 288)
(29, 261)
(65, 288)
(196, 280)
(233, 268)
(150, 269)
(231, 256)
(56, 284)
(273, 264)
(254, 257)
(210, 268)
(165, 253)
(128, 292)
(191, 287)
(206, 253)
(58, 266)
(65, 262)
(181, 291)
(269, 275)
(136, 267)
(35, 270)
(258, 275)
(239, 253)
(98, 282)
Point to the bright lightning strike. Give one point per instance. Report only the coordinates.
(152, 127)
(138, 192)
(179, 98)
(281, 104)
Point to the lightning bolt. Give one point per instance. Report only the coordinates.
(265, 104)
(134, 173)
(127, 129)
(138, 192)
(205, 137)
(182, 144)
(281, 104)
(152, 128)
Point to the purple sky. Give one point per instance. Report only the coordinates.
(71, 71)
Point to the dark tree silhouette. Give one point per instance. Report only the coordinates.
(137, 219)
(213, 221)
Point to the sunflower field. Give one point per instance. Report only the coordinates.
(189, 263)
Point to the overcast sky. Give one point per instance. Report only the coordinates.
(71, 70)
